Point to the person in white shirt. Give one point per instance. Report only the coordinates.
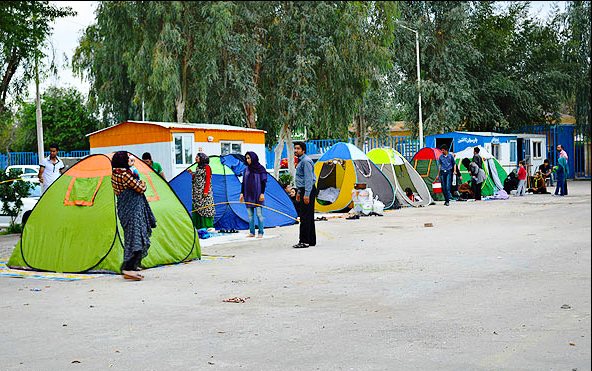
(50, 168)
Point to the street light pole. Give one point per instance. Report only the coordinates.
(418, 83)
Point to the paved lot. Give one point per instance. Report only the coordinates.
(495, 285)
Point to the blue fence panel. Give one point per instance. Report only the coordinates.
(406, 146)
(559, 134)
(31, 158)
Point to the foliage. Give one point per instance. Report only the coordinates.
(285, 179)
(320, 67)
(11, 194)
(576, 57)
(24, 26)
(66, 121)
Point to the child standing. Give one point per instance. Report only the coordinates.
(521, 179)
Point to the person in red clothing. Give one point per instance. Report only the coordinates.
(203, 210)
(521, 191)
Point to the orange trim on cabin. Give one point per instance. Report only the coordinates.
(129, 133)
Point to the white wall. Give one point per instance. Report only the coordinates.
(161, 153)
(537, 161)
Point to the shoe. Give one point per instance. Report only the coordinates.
(353, 217)
(133, 277)
(250, 235)
(259, 236)
(301, 245)
(446, 204)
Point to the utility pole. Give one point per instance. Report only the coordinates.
(40, 151)
(418, 82)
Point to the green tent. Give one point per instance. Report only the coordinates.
(74, 227)
(496, 175)
(402, 175)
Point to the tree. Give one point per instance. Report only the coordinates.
(576, 55)
(11, 195)
(66, 121)
(24, 27)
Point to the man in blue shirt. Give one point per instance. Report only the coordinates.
(305, 196)
(445, 172)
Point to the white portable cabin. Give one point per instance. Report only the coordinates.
(175, 145)
(532, 148)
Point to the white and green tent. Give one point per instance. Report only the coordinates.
(496, 175)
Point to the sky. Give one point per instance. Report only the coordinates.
(67, 31)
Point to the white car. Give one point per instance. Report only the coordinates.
(28, 203)
(27, 171)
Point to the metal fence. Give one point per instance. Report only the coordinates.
(405, 145)
(32, 158)
(576, 142)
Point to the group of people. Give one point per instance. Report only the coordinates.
(253, 194)
(448, 171)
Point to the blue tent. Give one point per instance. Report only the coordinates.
(227, 188)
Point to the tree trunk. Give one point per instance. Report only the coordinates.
(182, 99)
(278, 153)
(251, 109)
(359, 125)
(250, 115)
(11, 68)
(39, 121)
(290, 153)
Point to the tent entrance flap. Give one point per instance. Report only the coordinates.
(330, 181)
(82, 191)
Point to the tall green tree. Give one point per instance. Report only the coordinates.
(24, 27)
(576, 56)
(66, 121)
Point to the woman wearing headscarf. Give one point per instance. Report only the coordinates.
(134, 214)
(253, 191)
(477, 176)
(203, 199)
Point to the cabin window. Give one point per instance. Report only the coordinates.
(228, 148)
(513, 151)
(183, 149)
(495, 151)
(537, 149)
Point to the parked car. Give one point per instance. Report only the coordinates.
(27, 171)
(28, 203)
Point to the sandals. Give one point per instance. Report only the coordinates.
(301, 245)
(320, 219)
(137, 277)
(353, 217)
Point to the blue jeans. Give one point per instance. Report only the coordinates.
(446, 181)
(252, 219)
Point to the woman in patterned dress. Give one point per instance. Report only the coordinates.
(134, 214)
(203, 210)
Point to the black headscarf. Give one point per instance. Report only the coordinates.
(203, 160)
(120, 160)
(255, 167)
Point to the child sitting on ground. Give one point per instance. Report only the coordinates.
(412, 196)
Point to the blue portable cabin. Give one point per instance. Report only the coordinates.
(502, 146)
